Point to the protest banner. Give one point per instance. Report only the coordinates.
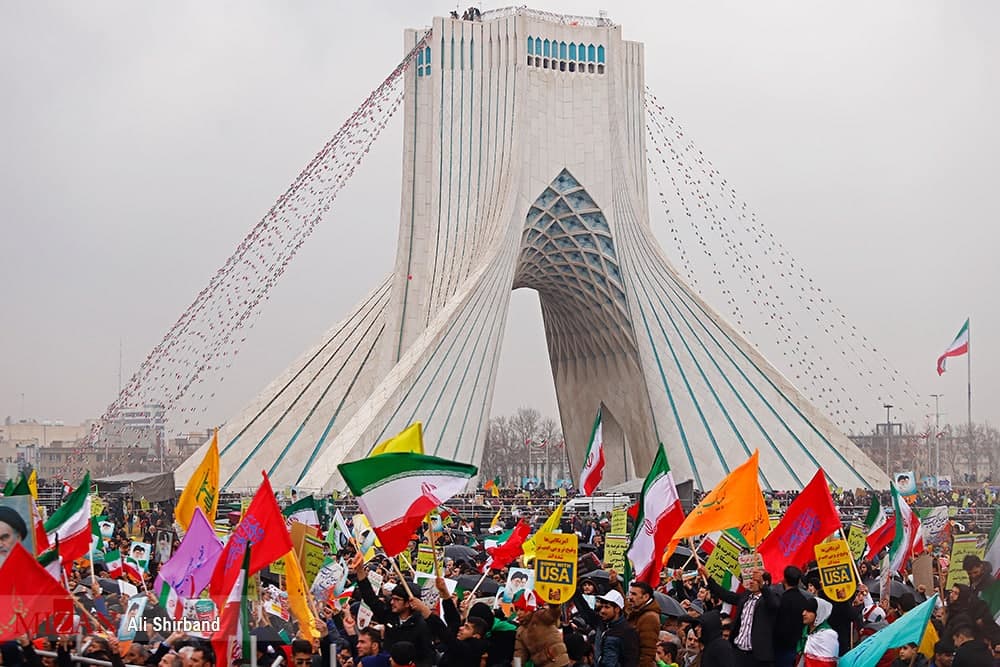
(312, 558)
(615, 547)
(962, 546)
(555, 566)
(619, 521)
(856, 540)
(836, 570)
(749, 561)
(724, 559)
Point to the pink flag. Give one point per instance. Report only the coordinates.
(190, 568)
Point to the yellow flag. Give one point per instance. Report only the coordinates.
(930, 639)
(298, 600)
(496, 520)
(495, 491)
(410, 441)
(202, 489)
(33, 483)
(735, 503)
(551, 525)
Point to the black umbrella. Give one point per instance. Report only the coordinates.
(681, 558)
(107, 585)
(487, 588)
(668, 605)
(460, 552)
(598, 574)
(896, 589)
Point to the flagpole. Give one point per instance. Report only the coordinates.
(968, 376)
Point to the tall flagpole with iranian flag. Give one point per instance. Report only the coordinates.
(961, 345)
(593, 462)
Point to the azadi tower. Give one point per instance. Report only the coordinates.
(524, 166)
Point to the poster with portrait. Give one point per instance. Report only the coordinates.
(906, 482)
(131, 621)
(164, 545)
(518, 579)
(15, 525)
(139, 552)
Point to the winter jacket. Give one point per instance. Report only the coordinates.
(762, 627)
(413, 629)
(539, 639)
(973, 653)
(788, 623)
(646, 621)
(616, 645)
(717, 652)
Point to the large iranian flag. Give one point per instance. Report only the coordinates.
(907, 535)
(396, 491)
(593, 465)
(958, 347)
(70, 524)
(879, 528)
(660, 514)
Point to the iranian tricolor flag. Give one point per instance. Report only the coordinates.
(396, 491)
(70, 524)
(303, 511)
(593, 465)
(880, 529)
(907, 533)
(660, 514)
(171, 601)
(50, 560)
(113, 561)
(132, 568)
(958, 347)
(232, 640)
(993, 546)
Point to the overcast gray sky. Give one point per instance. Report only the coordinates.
(140, 141)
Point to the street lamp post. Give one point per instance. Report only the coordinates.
(888, 436)
(937, 436)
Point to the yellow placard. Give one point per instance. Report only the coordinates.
(555, 566)
(724, 559)
(425, 559)
(277, 567)
(619, 521)
(615, 547)
(963, 546)
(856, 540)
(836, 570)
(96, 506)
(312, 558)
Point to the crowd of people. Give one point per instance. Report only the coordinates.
(383, 618)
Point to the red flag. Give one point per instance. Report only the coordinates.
(504, 554)
(809, 520)
(28, 595)
(263, 518)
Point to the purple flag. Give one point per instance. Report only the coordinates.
(190, 568)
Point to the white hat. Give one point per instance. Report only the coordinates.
(614, 597)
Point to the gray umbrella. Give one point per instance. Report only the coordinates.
(487, 588)
(597, 574)
(107, 585)
(460, 552)
(668, 605)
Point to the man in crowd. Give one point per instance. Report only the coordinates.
(788, 622)
(969, 651)
(753, 621)
(370, 648)
(644, 616)
(980, 577)
(616, 643)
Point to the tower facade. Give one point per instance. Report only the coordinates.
(524, 166)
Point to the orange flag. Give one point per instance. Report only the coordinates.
(735, 503)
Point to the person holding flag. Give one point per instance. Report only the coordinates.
(754, 616)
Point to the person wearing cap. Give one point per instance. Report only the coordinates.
(13, 529)
(980, 576)
(616, 643)
(401, 623)
(819, 644)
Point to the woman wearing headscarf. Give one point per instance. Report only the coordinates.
(820, 645)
